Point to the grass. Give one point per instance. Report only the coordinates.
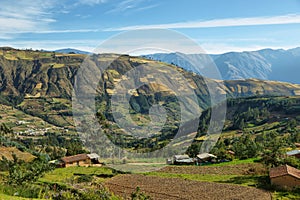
(61, 175)
(7, 197)
(58, 65)
(236, 162)
(261, 128)
(20, 191)
(284, 195)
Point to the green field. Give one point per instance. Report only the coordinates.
(63, 175)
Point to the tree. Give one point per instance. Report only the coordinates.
(194, 149)
(291, 124)
(273, 153)
(21, 172)
(245, 147)
(242, 124)
(220, 150)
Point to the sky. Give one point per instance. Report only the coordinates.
(217, 26)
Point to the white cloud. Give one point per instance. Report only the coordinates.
(57, 31)
(91, 2)
(86, 45)
(26, 15)
(228, 22)
(147, 7)
(131, 5)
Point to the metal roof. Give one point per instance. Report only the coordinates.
(293, 152)
(181, 157)
(93, 156)
(206, 155)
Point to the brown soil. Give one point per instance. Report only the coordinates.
(175, 188)
(241, 169)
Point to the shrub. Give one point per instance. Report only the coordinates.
(85, 178)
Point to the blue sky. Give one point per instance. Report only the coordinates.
(216, 25)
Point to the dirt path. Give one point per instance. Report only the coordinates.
(174, 188)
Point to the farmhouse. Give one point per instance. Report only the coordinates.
(77, 160)
(205, 157)
(80, 160)
(285, 177)
(295, 153)
(94, 158)
(182, 160)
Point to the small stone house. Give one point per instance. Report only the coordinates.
(285, 176)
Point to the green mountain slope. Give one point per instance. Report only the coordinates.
(41, 84)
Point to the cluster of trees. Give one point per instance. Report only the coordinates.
(271, 147)
(20, 172)
(267, 142)
(254, 115)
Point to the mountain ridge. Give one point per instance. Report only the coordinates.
(35, 74)
(265, 64)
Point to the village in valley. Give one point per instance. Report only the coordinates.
(149, 100)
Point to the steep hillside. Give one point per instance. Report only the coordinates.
(32, 74)
(8, 152)
(259, 115)
(41, 84)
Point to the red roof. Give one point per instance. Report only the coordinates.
(284, 170)
(76, 158)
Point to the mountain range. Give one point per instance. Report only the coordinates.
(70, 50)
(265, 64)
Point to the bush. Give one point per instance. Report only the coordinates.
(138, 195)
(85, 178)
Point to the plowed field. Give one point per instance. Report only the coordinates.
(176, 188)
(240, 169)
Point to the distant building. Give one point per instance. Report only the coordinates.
(285, 177)
(94, 158)
(297, 144)
(295, 153)
(77, 160)
(169, 161)
(80, 160)
(205, 157)
(182, 160)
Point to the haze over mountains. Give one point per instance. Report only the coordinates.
(265, 64)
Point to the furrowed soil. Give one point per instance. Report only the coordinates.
(176, 188)
(240, 169)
